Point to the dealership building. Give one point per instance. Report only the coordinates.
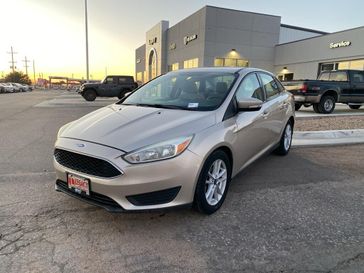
(215, 36)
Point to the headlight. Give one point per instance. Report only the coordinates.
(160, 151)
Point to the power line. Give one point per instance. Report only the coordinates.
(12, 58)
(26, 61)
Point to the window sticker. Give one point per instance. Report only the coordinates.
(193, 105)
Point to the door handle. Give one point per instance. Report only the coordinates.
(283, 106)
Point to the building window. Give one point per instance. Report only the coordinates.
(139, 76)
(173, 67)
(191, 63)
(353, 64)
(219, 62)
(231, 62)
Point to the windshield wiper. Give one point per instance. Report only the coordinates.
(165, 106)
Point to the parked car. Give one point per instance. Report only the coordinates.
(177, 140)
(21, 87)
(343, 86)
(111, 86)
(16, 87)
(7, 88)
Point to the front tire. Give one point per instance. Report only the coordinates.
(213, 183)
(89, 95)
(286, 140)
(354, 107)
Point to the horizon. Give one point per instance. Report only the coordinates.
(52, 32)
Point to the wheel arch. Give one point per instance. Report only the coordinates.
(90, 89)
(331, 92)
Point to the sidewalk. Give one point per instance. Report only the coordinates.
(324, 138)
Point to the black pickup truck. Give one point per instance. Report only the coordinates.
(111, 86)
(343, 86)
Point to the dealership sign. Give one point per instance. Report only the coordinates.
(340, 44)
(190, 38)
(172, 46)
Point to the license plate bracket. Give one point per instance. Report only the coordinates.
(78, 184)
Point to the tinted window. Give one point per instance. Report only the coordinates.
(269, 84)
(358, 76)
(250, 88)
(338, 76)
(109, 80)
(125, 79)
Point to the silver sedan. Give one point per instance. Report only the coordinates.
(175, 141)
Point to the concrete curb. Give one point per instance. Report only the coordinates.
(324, 138)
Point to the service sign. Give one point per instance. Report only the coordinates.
(340, 44)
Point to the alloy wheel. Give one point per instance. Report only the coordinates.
(287, 137)
(216, 182)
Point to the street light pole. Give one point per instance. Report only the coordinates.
(34, 72)
(86, 28)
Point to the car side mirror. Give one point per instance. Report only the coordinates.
(249, 104)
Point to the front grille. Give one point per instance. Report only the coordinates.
(94, 198)
(154, 198)
(85, 164)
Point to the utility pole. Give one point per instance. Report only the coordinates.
(86, 29)
(26, 61)
(12, 58)
(34, 72)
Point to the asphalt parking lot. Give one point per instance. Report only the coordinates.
(300, 213)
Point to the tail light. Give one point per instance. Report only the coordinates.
(303, 88)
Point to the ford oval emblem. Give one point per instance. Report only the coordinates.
(80, 145)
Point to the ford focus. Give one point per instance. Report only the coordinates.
(176, 141)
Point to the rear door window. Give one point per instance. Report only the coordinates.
(270, 85)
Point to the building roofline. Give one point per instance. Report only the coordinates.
(304, 29)
(317, 37)
(216, 7)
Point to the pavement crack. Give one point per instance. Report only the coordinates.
(346, 262)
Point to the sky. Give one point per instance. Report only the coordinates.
(52, 32)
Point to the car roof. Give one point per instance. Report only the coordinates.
(240, 70)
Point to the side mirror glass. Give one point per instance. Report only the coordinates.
(249, 104)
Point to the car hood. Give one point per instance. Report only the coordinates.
(128, 127)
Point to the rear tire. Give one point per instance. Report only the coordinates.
(286, 140)
(316, 108)
(297, 106)
(89, 95)
(354, 107)
(327, 104)
(213, 183)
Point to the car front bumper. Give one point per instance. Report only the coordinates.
(155, 185)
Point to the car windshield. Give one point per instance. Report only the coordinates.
(188, 90)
